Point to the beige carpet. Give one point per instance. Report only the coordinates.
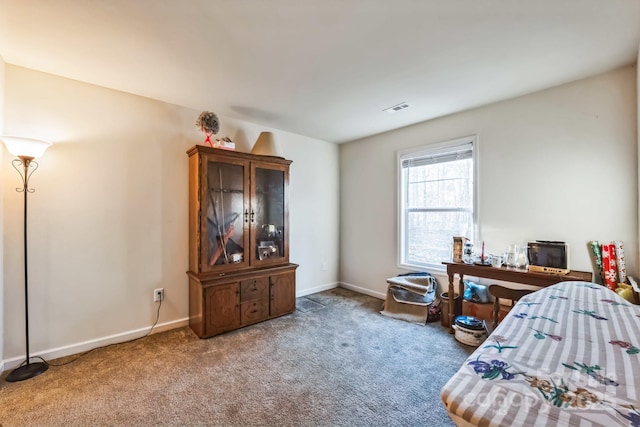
(334, 362)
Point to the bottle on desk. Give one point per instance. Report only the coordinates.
(521, 257)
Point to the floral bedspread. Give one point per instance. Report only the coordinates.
(568, 354)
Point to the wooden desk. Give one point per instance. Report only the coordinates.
(506, 274)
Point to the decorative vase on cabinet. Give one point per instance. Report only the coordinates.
(239, 269)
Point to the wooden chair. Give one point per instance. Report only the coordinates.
(498, 292)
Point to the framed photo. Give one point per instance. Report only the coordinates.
(266, 252)
(458, 243)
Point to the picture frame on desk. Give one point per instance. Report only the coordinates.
(458, 245)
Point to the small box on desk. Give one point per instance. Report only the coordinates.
(482, 311)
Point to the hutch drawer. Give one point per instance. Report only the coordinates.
(254, 289)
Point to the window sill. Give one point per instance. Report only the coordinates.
(436, 270)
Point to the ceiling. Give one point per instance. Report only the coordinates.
(325, 68)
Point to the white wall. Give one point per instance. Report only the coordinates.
(2, 86)
(108, 220)
(560, 164)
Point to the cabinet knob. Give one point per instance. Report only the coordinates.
(253, 214)
(246, 215)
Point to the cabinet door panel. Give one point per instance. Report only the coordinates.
(269, 231)
(283, 294)
(222, 308)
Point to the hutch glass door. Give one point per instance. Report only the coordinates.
(224, 235)
(268, 203)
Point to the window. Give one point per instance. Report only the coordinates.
(436, 201)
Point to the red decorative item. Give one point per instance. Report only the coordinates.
(208, 139)
(609, 266)
(613, 268)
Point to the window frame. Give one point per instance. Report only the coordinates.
(425, 150)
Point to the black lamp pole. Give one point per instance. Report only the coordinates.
(27, 369)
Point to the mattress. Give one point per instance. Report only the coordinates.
(568, 354)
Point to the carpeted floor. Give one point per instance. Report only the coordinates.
(334, 362)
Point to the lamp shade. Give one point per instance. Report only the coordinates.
(26, 147)
(264, 145)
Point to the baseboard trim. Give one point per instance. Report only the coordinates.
(362, 290)
(314, 290)
(81, 347)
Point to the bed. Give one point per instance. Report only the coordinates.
(568, 354)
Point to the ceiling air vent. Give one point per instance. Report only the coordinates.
(397, 107)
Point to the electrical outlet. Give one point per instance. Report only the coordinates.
(158, 294)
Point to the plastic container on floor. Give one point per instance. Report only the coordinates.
(444, 308)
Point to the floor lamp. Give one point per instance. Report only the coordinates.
(25, 150)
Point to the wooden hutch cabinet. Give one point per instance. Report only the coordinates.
(239, 270)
